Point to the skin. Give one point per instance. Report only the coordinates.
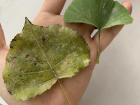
(76, 86)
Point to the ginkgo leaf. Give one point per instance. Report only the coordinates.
(39, 56)
(99, 13)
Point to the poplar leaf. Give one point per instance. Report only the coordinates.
(40, 56)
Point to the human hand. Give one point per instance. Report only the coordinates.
(76, 86)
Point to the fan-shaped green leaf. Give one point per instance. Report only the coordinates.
(100, 13)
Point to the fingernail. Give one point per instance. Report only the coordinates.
(127, 4)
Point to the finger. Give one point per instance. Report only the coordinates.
(53, 6)
(49, 12)
(45, 19)
(108, 35)
(2, 38)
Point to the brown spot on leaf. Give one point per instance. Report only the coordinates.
(43, 39)
(27, 56)
(9, 92)
(11, 46)
(35, 63)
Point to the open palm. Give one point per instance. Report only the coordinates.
(76, 86)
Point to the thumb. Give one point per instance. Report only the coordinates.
(128, 5)
(2, 38)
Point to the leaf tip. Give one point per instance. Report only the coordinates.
(27, 21)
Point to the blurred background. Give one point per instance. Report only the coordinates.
(116, 80)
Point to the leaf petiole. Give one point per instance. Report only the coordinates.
(98, 46)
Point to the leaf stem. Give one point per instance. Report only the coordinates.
(98, 47)
(64, 92)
